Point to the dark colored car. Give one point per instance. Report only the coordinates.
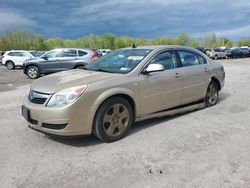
(202, 49)
(58, 60)
(246, 52)
(237, 53)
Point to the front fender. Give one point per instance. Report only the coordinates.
(109, 93)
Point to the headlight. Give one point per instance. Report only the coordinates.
(66, 96)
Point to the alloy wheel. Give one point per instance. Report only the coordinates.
(116, 120)
(212, 94)
(32, 72)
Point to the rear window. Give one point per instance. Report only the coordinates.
(70, 53)
(19, 54)
(82, 53)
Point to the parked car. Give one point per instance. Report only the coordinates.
(58, 60)
(105, 51)
(246, 52)
(15, 58)
(216, 53)
(125, 86)
(97, 53)
(202, 49)
(237, 53)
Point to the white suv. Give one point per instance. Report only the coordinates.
(15, 58)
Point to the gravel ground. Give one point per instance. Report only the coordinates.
(205, 148)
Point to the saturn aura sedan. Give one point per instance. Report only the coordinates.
(127, 85)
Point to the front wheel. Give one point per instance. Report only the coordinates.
(113, 119)
(212, 94)
(33, 72)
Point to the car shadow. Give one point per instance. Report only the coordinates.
(76, 141)
(90, 140)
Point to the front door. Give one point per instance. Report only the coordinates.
(161, 90)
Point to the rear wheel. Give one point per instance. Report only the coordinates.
(10, 65)
(33, 72)
(113, 119)
(212, 94)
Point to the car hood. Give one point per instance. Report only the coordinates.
(66, 79)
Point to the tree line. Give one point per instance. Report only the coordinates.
(28, 40)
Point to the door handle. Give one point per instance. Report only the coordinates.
(177, 75)
(206, 70)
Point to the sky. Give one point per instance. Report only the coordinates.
(71, 19)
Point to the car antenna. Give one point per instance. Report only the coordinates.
(134, 46)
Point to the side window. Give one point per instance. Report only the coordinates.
(19, 54)
(188, 58)
(53, 54)
(11, 54)
(70, 53)
(167, 59)
(82, 53)
(202, 60)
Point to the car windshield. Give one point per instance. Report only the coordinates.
(119, 61)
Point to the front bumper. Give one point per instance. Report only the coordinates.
(71, 120)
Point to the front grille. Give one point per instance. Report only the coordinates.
(37, 97)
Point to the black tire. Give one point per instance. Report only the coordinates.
(10, 65)
(212, 96)
(79, 67)
(100, 128)
(33, 72)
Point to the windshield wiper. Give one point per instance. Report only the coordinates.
(99, 69)
(103, 70)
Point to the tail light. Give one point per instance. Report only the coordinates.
(95, 55)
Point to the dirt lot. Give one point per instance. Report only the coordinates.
(205, 148)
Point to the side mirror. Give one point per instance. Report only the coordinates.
(44, 57)
(153, 68)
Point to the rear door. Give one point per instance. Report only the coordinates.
(196, 72)
(69, 59)
(161, 90)
(19, 58)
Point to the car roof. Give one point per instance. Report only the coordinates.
(159, 47)
(16, 51)
(71, 49)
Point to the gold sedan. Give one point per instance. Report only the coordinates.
(127, 85)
